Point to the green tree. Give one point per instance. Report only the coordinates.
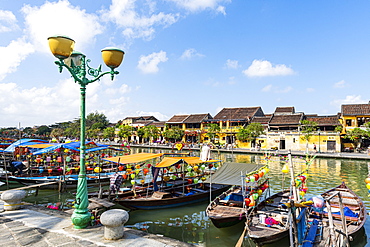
(57, 132)
(356, 136)
(43, 130)
(213, 131)
(250, 133)
(109, 133)
(308, 128)
(338, 128)
(96, 121)
(28, 131)
(125, 131)
(174, 134)
(151, 132)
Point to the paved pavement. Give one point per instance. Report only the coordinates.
(39, 227)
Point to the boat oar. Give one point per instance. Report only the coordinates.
(240, 241)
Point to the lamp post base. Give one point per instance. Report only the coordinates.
(81, 218)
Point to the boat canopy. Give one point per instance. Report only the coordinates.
(133, 158)
(23, 142)
(230, 173)
(50, 147)
(169, 161)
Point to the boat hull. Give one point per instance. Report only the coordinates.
(150, 203)
(262, 234)
(69, 182)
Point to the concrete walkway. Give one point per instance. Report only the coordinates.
(39, 227)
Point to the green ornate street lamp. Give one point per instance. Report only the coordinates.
(77, 64)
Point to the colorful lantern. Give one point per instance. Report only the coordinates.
(97, 169)
(132, 182)
(247, 201)
(285, 169)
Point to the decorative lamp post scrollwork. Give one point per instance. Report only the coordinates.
(77, 65)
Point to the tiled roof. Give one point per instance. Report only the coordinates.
(143, 122)
(239, 113)
(158, 124)
(178, 118)
(324, 120)
(197, 118)
(142, 118)
(292, 119)
(284, 110)
(356, 109)
(261, 120)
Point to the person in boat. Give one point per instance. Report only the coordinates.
(17, 166)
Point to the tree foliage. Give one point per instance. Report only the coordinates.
(250, 133)
(125, 131)
(356, 135)
(151, 132)
(174, 134)
(308, 128)
(213, 130)
(109, 132)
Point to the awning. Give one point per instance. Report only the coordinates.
(230, 173)
(22, 142)
(133, 158)
(40, 145)
(169, 161)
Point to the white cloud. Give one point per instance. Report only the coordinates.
(126, 16)
(158, 115)
(350, 99)
(12, 55)
(231, 80)
(8, 22)
(196, 5)
(285, 90)
(124, 89)
(149, 64)
(340, 84)
(232, 64)
(310, 90)
(270, 88)
(35, 106)
(260, 68)
(60, 18)
(190, 53)
(267, 88)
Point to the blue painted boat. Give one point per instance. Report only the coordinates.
(70, 180)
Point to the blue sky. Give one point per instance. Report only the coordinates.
(185, 57)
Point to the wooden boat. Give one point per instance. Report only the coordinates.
(229, 208)
(70, 180)
(173, 197)
(338, 199)
(270, 208)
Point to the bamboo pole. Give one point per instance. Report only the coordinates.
(331, 225)
(344, 222)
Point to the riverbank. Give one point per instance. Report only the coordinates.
(37, 226)
(331, 155)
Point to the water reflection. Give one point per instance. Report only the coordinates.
(190, 224)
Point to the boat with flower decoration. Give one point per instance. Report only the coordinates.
(193, 173)
(273, 218)
(232, 206)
